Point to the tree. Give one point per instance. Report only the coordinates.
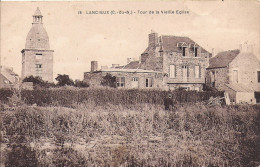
(64, 80)
(38, 82)
(81, 84)
(109, 80)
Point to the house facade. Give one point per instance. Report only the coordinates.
(168, 62)
(236, 72)
(37, 58)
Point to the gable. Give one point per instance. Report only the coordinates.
(223, 59)
(246, 59)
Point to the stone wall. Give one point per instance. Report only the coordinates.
(176, 59)
(94, 79)
(247, 66)
(217, 78)
(29, 61)
(175, 86)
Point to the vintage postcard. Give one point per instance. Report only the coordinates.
(130, 83)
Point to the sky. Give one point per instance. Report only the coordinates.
(111, 39)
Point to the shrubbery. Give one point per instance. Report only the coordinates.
(68, 97)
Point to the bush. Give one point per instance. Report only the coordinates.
(38, 82)
(64, 80)
(109, 81)
(5, 94)
(21, 156)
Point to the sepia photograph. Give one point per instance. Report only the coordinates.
(130, 83)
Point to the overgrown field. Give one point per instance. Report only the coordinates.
(131, 135)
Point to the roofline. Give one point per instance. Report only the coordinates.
(125, 71)
(38, 50)
(200, 82)
(216, 67)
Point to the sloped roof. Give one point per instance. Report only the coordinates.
(8, 74)
(169, 43)
(223, 59)
(132, 65)
(37, 12)
(128, 70)
(37, 38)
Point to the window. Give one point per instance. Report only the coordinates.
(197, 71)
(38, 69)
(258, 76)
(148, 82)
(196, 52)
(135, 79)
(120, 81)
(183, 51)
(185, 71)
(172, 71)
(38, 56)
(235, 76)
(135, 82)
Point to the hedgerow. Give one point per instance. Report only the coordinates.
(101, 96)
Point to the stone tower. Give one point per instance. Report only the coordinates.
(37, 58)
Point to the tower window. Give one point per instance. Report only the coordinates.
(38, 39)
(38, 56)
(38, 67)
(183, 51)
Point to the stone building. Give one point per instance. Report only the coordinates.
(182, 61)
(236, 72)
(37, 58)
(169, 62)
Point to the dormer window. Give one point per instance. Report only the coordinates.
(195, 48)
(184, 47)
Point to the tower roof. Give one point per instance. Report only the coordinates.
(37, 37)
(37, 12)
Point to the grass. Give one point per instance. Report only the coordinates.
(131, 135)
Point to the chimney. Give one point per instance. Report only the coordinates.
(241, 47)
(153, 39)
(115, 65)
(129, 60)
(245, 47)
(94, 66)
(213, 52)
(250, 48)
(104, 67)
